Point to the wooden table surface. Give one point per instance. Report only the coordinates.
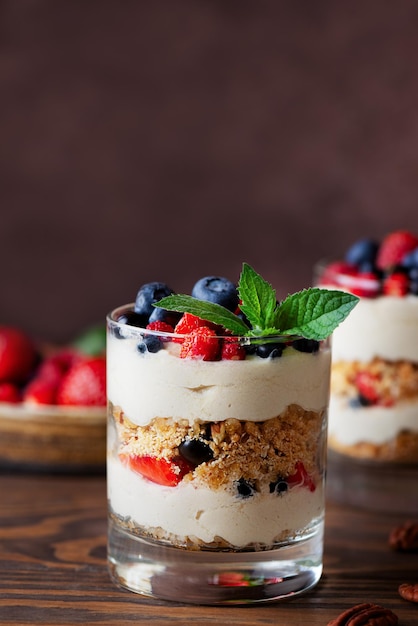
(53, 564)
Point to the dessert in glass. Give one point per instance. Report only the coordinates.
(373, 414)
(217, 426)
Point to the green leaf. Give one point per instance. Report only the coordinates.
(314, 313)
(92, 341)
(205, 310)
(258, 299)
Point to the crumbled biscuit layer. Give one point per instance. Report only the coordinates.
(402, 449)
(394, 381)
(259, 452)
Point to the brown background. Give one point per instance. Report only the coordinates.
(166, 140)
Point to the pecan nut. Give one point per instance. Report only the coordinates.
(409, 592)
(405, 537)
(365, 614)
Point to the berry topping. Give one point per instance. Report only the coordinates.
(396, 284)
(161, 327)
(149, 294)
(17, 355)
(394, 248)
(232, 350)
(268, 350)
(84, 383)
(410, 260)
(195, 451)
(218, 290)
(160, 471)
(188, 323)
(362, 253)
(306, 345)
(245, 488)
(133, 319)
(201, 343)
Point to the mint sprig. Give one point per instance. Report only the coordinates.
(312, 313)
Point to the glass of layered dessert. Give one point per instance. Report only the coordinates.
(217, 426)
(373, 421)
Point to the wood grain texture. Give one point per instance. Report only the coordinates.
(53, 565)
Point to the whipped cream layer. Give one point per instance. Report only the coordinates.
(385, 327)
(205, 514)
(374, 424)
(150, 385)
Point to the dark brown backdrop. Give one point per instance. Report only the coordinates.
(172, 139)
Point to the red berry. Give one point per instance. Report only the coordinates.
(232, 351)
(160, 471)
(161, 327)
(201, 343)
(335, 272)
(187, 323)
(367, 384)
(396, 284)
(301, 478)
(17, 355)
(9, 393)
(84, 384)
(394, 247)
(40, 391)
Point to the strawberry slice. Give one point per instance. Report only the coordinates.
(367, 386)
(394, 248)
(301, 478)
(160, 471)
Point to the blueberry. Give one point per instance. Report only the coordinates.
(359, 401)
(216, 289)
(162, 315)
(306, 345)
(148, 295)
(196, 451)
(411, 259)
(150, 343)
(245, 488)
(278, 486)
(270, 350)
(362, 251)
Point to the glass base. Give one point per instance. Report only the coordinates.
(205, 577)
(372, 485)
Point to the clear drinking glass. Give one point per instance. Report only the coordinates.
(216, 469)
(373, 425)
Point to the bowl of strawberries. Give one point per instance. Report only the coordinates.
(52, 402)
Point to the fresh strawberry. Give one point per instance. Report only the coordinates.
(201, 343)
(17, 355)
(161, 327)
(187, 323)
(84, 383)
(396, 284)
(301, 478)
(364, 284)
(232, 350)
(40, 391)
(160, 471)
(334, 272)
(9, 392)
(366, 384)
(394, 247)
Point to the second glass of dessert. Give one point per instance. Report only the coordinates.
(373, 424)
(217, 429)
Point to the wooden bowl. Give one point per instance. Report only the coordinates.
(53, 438)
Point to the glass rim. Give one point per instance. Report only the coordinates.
(132, 330)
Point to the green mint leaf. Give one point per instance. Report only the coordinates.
(314, 313)
(205, 310)
(258, 299)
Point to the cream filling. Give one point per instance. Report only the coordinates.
(385, 327)
(162, 385)
(374, 424)
(205, 514)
